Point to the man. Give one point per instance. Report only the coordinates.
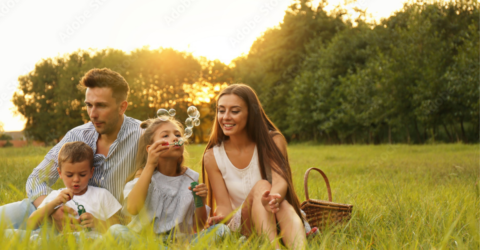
(112, 135)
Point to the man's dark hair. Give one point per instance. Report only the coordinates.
(106, 78)
(74, 152)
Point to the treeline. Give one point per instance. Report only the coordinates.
(52, 102)
(411, 78)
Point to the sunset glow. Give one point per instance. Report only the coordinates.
(213, 29)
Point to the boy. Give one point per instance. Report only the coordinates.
(75, 161)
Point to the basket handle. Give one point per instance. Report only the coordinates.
(305, 181)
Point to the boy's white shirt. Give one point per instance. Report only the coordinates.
(97, 201)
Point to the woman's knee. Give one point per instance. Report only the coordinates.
(260, 187)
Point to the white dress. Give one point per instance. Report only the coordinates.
(169, 203)
(239, 182)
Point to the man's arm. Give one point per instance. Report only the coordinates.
(45, 174)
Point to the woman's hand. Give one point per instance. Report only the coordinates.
(154, 152)
(63, 197)
(201, 190)
(271, 202)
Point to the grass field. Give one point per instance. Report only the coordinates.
(404, 197)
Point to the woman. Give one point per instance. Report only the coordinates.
(246, 167)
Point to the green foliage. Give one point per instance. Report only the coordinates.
(157, 79)
(4, 136)
(404, 197)
(412, 77)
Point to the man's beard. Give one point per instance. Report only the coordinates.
(108, 127)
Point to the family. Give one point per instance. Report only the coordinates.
(119, 169)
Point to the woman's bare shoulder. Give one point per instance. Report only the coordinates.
(209, 159)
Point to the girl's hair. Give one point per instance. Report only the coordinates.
(151, 126)
(261, 131)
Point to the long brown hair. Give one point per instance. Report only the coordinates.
(151, 126)
(261, 131)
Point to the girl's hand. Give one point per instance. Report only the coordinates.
(154, 152)
(87, 220)
(271, 202)
(64, 196)
(200, 190)
(214, 220)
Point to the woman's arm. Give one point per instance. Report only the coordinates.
(222, 198)
(279, 184)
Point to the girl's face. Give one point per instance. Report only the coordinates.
(169, 132)
(232, 114)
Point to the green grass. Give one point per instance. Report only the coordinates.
(404, 197)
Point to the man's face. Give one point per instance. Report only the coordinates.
(76, 175)
(103, 110)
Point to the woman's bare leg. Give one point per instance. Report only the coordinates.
(292, 229)
(254, 214)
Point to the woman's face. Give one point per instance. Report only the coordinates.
(232, 114)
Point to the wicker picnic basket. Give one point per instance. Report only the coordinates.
(324, 213)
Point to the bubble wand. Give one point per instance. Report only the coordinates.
(81, 210)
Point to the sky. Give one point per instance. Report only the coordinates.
(217, 29)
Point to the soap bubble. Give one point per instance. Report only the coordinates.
(196, 121)
(197, 114)
(172, 112)
(189, 122)
(192, 111)
(162, 114)
(188, 132)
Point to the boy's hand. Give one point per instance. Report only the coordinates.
(60, 217)
(154, 152)
(64, 196)
(87, 220)
(201, 190)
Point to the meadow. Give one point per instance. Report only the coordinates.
(404, 197)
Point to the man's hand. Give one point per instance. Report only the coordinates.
(87, 220)
(60, 216)
(271, 202)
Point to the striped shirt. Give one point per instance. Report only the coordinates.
(110, 172)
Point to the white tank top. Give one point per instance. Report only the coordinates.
(239, 182)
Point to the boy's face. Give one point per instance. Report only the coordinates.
(76, 175)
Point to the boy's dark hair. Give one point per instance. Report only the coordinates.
(106, 78)
(74, 152)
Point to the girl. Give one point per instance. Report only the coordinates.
(246, 167)
(159, 190)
